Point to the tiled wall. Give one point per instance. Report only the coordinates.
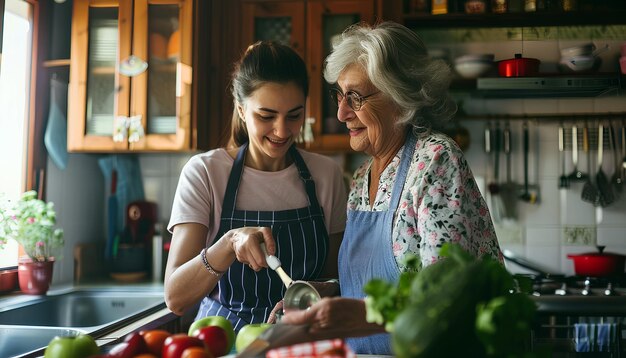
(542, 231)
(539, 231)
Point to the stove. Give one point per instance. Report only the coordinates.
(579, 316)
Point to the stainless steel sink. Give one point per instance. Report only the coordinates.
(80, 309)
(16, 341)
(28, 325)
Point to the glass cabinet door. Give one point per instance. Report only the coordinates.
(162, 35)
(102, 58)
(97, 93)
(331, 18)
(277, 21)
(163, 55)
(116, 102)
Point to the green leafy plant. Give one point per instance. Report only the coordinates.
(474, 303)
(30, 222)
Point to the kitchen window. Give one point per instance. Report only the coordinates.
(16, 34)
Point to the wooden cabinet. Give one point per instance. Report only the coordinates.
(309, 27)
(113, 105)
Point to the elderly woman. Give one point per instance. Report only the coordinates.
(414, 194)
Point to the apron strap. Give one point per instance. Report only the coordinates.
(405, 163)
(305, 175)
(230, 197)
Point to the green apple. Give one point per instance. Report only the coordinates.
(218, 321)
(79, 346)
(248, 333)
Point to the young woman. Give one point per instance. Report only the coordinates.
(261, 189)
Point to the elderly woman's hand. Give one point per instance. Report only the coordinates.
(245, 243)
(278, 308)
(335, 317)
(326, 288)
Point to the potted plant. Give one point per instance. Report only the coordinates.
(30, 221)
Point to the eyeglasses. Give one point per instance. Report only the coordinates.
(355, 100)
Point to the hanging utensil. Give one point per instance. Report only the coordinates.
(590, 192)
(605, 195)
(623, 150)
(563, 179)
(509, 189)
(526, 195)
(576, 174)
(616, 178)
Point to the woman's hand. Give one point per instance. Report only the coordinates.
(335, 317)
(245, 243)
(278, 308)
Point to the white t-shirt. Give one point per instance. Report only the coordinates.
(202, 184)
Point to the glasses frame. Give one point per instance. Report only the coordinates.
(357, 101)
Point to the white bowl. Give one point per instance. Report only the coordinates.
(580, 63)
(581, 50)
(473, 69)
(487, 57)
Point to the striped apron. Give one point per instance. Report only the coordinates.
(246, 296)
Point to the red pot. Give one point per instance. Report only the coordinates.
(8, 280)
(518, 67)
(598, 264)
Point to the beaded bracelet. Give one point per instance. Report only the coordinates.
(211, 270)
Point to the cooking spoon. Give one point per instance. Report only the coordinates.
(576, 173)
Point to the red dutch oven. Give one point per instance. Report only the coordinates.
(598, 264)
(518, 67)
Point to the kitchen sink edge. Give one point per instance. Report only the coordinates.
(154, 315)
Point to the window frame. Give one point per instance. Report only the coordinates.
(36, 157)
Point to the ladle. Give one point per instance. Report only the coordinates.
(300, 295)
(274, 263)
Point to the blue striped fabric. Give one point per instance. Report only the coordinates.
(246, 296)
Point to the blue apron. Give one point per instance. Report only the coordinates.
(366, 252)
(246, 296)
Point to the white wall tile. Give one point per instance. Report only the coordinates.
(154, 164)
(611, 237)
(547, 256)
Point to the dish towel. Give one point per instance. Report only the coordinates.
(55, 137)
(595, 337)
(129, 186)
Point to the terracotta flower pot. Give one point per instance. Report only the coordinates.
(34, 276)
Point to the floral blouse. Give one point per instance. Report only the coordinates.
(440, 202)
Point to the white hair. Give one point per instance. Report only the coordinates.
(397, 63)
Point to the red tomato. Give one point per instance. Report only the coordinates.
(174, 345)
(155, 339)
(196, 352)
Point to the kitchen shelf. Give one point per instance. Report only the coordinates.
(521, 19)
(543, 86)
(539, 117)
